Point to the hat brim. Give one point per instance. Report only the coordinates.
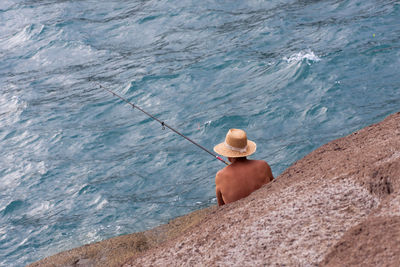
(226, 152)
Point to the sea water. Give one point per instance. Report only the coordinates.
(78, 165)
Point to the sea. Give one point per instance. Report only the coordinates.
(79, 165)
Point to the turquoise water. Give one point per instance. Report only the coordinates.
(77, 165)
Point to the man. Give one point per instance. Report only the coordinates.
(242, 176)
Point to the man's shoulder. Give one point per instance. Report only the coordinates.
(221, 174)
(261, 163)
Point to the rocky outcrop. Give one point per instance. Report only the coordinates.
(115, 251)
(339, 205)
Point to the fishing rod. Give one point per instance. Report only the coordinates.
(163, 124)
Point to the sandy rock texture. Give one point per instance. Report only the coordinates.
(115, 251)
(338, 206)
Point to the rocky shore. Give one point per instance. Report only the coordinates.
(339, 205)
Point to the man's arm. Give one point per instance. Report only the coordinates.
(219, 197)
(271, 176)
(268, 172)
(218, 178)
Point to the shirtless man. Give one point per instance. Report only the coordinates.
(242, 176)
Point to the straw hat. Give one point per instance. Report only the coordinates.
(236, 145)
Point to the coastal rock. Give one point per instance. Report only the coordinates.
(338, 206)
(117, 250)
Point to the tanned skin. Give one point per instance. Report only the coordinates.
(240, 179)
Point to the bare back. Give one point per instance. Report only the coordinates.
(240, 179)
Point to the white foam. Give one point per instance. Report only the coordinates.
(40, 208)
(41, 168)
(91, 235)
(10, 180)
(126, 89)
(23, 242)
(102, 204)
(61, 55)
(11, 108)
(22, 38)
(95, 200)
(307, 55)
(3, 233)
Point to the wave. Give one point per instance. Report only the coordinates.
(308, 55)
(11, 108)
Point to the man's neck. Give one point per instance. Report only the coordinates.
(233, 160)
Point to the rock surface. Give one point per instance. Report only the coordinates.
(115, 251)
(339, 205)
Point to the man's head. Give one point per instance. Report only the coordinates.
(236, 145)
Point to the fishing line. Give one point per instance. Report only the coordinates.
(163, 124)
